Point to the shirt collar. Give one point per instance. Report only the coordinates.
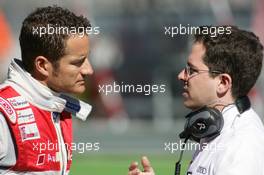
(230, 114)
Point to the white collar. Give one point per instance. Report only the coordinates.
(43, 97)
(230, 114)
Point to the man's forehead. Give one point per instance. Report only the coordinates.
(195, 58)
(77, 45)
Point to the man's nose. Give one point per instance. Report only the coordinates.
(182, 76)
(87, 68)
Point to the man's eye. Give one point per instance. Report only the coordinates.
(78, 62)
(192, 71)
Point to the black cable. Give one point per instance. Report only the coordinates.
(178, 163)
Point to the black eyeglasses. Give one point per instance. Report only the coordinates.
(190, 71)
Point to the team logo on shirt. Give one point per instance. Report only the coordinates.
(41, 159)
(8, 109)
(201, 170)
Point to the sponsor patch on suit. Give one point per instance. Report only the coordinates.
(25, 116)
(18, 102)
(29, 131)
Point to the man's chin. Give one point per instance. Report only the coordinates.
(78, 90)
(186, 104)
(189, 104)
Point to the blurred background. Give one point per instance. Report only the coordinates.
(132, 48)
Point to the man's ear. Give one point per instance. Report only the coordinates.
(42, 66)
(224, 85)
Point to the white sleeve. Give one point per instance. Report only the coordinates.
(4, 130)
(242, 158)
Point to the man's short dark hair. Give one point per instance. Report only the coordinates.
(51, 46)
(238, 53)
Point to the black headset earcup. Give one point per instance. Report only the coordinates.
(203, 123)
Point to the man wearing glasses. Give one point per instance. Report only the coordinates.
(219, 71)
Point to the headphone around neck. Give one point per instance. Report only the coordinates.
(206, 123)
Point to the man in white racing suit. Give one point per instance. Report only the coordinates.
(35, 110)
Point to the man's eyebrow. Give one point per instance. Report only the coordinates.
(82, 56)
(191, 65)
(79, 58)
(87, 54)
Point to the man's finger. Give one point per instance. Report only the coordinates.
(133, 165)
(146, 164)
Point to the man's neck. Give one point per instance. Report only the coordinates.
(223, 102)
